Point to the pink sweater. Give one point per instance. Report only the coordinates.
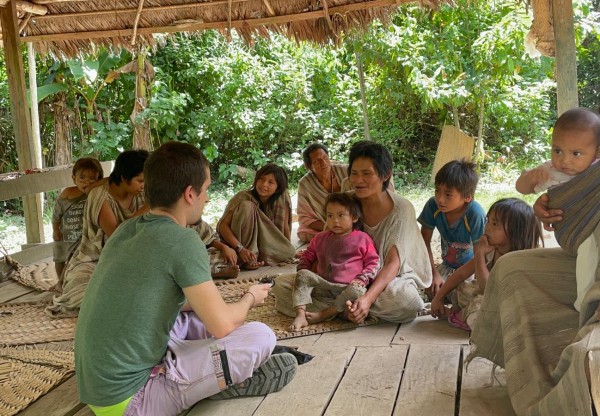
(342, 259)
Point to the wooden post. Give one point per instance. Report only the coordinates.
(32, 204)
(566, 60)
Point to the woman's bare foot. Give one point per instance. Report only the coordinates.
(227, 272)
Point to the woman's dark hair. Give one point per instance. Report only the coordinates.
(350, 203)
(170, 169)
(520, 224)
(379, 155)
(128, 165)
(88, 163)
(280, 177)
(309, 149)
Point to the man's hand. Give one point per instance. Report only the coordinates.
(260, 293)
(229, 254)
(359, 309)
(545, 215)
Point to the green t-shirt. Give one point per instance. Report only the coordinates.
(131, 304)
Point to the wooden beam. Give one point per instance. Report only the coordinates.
(57, 178)
(274, 20)
(113, 12)
(27, 7)
(137, 20)
(32, 205)
(566, 58)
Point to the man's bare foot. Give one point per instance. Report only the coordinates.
(252, 265)
(227, 272)
(299, 324)
(316, 317)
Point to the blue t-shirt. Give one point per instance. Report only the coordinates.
(457, 238)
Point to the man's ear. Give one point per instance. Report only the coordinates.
(188, 194)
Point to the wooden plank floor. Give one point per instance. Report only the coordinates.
(386, 369)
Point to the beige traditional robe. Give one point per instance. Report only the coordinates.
(262, 232)
(528, 323)
(311, 200)
(82, 264)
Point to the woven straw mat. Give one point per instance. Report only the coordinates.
(41, 276)
(25, 375)
(231, 290)
(28, 323)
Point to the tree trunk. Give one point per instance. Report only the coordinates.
(456, 117)
(62, 131)
(363, 99)
(479, 150)
(141, 128)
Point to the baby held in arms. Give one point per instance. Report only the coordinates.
(346, 262)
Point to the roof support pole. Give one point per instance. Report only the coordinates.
(32, 204)
(566, 60)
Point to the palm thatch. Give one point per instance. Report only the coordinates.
(69, 27)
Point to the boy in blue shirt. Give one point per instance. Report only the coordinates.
(459, 219)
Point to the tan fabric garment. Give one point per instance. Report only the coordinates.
(82, 264)
(311, 200)
(528, 325)
(400, 301)
(207, 234)
(262, 232)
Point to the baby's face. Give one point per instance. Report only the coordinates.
(573, 151)
(84, 178)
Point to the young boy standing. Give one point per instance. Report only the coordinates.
(154, 335)
(459, 219)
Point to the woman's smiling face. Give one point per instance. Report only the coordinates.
(364, 178)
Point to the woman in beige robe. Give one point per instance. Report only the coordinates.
(535, 324)
(257, 223)
(109, 204)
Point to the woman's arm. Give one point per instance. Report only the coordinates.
(107, 219)
(359, 309)
(225, 231)
(228, 253)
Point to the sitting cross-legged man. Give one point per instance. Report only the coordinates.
(140, 348)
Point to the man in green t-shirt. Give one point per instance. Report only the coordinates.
(140, 348)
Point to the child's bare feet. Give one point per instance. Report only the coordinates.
(316, 317)
(299, 324)
(300, 321)
(227, 272)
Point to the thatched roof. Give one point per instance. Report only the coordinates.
(68, 27)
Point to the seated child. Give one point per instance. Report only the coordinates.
(458, 218)
(575, 147)
(347, 261)
(511, 225)
(67, 216)
(223, 259)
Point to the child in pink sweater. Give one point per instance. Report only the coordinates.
(346, 263)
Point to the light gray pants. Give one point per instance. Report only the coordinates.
(192, 368)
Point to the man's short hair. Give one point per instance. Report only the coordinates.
(378, 154)
(579, 119)
(311, 148)
(459, 174)
(170, 169)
